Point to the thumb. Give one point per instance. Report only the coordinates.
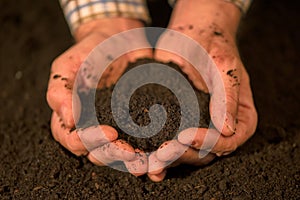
(224, 102)
(62, 99)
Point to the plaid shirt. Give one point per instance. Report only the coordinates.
(81, 11)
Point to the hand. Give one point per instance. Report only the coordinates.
(59, 96)
(213, 24)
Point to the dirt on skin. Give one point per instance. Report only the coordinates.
(34, 166)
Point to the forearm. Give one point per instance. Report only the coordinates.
(205, 14)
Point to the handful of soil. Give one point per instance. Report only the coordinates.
(140, 102)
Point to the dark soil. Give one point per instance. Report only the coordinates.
(140, 102)
(34, 166)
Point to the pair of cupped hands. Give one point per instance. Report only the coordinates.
(106, 148)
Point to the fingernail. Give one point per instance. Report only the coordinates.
(219, 154)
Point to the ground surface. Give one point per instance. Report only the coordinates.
(34, 166)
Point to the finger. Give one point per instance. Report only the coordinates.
(60, 98)
(192, 73)
(207, 139)
(67, 138)
(246, 121)
(156, 166)
(190, 156)
(139, 165)
(247, 115)
(211, 140)
(157, 177)
(170, 151)
(95, 136)
(177, 153)
(224, 102)
(117, 150)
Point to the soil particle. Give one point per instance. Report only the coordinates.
(218, 33)
(231, 72)
(139, 105)
(56, 76)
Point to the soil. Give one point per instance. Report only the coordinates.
(34, 166)
(139, 105)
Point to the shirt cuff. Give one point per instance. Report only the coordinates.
(78, 12)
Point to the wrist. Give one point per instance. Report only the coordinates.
(106, 26)
(206, 13)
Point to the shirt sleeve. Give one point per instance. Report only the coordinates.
(243, 5)
(78, 12)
